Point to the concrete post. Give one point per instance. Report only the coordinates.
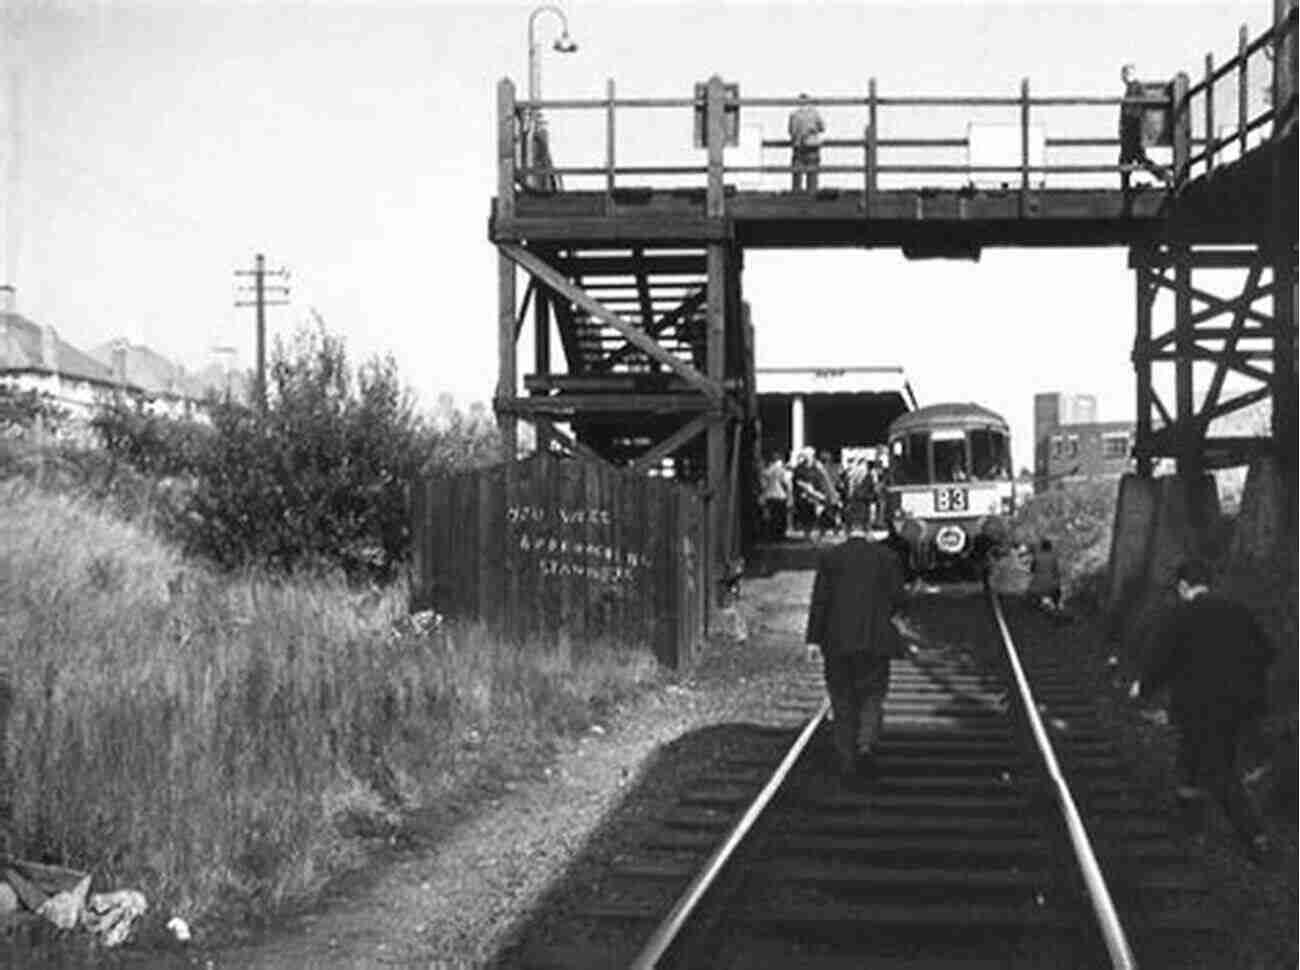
(796, 424)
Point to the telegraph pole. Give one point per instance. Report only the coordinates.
(263, 296)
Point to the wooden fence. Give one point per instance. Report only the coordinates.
(555, 547)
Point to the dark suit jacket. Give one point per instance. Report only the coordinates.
(859, 586)
(1214, 657)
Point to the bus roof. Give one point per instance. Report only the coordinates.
(949, 415)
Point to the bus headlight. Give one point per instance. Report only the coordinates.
(950, 539)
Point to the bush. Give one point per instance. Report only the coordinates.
(20, 411)
(1078, 520)
(319, 481)
(149, 443)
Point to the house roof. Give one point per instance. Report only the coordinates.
(151, 371)
(21, 349)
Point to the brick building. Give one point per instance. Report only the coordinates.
(1071, 445)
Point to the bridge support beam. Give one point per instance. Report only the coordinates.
(1227, 344)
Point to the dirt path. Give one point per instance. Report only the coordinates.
(453, 905)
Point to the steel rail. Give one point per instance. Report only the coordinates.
(671, 927)
(1112, 931)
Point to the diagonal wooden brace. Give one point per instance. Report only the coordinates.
(674, 441)
(555, 280)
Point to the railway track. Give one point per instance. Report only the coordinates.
(992, 837)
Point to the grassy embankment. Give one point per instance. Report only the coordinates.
(220, 741)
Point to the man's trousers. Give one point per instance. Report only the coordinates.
(857, 684)
(1207, 764)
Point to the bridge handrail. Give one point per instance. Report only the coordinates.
(1192, 152)
(1275, 37)
(870, 143)
(1112, 931)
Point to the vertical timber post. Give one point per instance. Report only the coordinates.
(609, 146)
(1209, 113)
(1139, 260)
(716, 347)
(1024, 147)
(1285, 405)
(507, 380)
(872, 137)
(1243, 88)
(1187, 446)
(1284, 369)
(541, 328)
(506, 149)
(1182, 133)
(1188, 433)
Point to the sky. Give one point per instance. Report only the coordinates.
(154, 148)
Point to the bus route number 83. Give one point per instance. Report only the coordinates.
(950, 500)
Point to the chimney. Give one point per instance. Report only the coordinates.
(8, 299)
(49, 349)
(119, 361)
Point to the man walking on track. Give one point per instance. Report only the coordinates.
(1214, 657)
(857, 596)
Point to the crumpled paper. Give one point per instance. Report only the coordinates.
(112, 916)
(63, 909)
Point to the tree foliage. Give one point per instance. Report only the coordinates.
(21, 410)
(320, 480)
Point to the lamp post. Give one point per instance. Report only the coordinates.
(565, 45)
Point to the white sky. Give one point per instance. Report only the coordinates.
(162, 144)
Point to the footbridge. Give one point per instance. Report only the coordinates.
(642, 343)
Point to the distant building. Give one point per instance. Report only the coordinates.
(1071, 445)
(35, 358)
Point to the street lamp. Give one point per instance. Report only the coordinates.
(565, 45)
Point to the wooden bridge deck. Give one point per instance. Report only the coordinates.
(929, 221)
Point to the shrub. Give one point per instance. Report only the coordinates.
(150, 443)
(20, 410)
(1078, 520)
(319, 481)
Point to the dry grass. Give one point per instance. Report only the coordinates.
(223, 740)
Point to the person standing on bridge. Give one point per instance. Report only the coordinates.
(1131, 149)
(857, 600)
(1214, 656)
(806, 128)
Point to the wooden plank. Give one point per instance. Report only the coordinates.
(605, 383)
(507, 378)
(566, 404)
(715, 205)
(556, 281)
(505, 201)
(716, 445)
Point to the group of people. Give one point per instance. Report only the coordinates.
(813, 495)
(806, 128)
(1210, 654)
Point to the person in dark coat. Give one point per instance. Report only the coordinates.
(809, 497)
(1045, 578)
(1132, 151)
(1214, 657)
(857, 599)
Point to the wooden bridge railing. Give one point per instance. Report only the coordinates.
(1278, 45)
(1187, 160)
